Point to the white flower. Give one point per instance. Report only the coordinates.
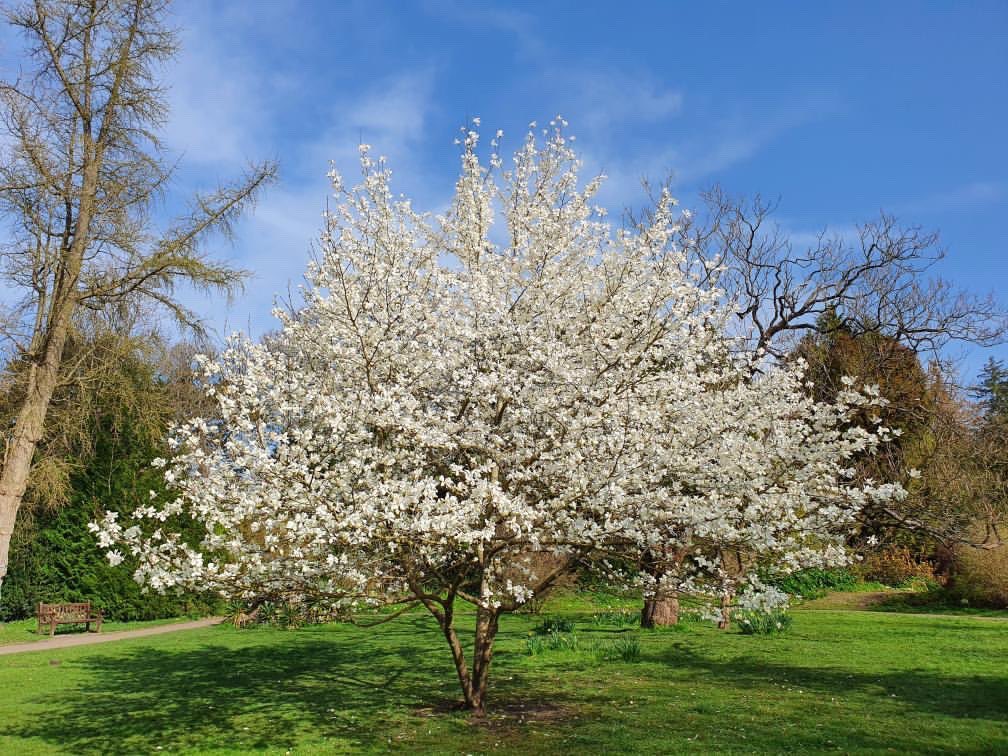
(451, 399)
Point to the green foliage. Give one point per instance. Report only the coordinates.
(534, 645)
(763, 623)
(992, 390)
(537, 643)
(898, 567)
(533, 606)
(619, 618)
(56, 559)
(626, 648)
(557, 641)
(288, 615)
(815, 582)
(980, 577)
(62, 563)
(551, 625)
(692, 617)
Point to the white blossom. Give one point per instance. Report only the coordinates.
(455, 407)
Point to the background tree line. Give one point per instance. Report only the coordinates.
(124, 385)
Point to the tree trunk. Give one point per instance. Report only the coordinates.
(47, 350)
(660, 611)
(486, 632)
(25, 437)
(458, 656)
(726, 599)
(473, 682)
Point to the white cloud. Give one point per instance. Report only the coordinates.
(391, 116)
(737, 139)
(599, 101)
(698, 159)
(521, 25)
(220, 100)
(969, 196)
(274, 241)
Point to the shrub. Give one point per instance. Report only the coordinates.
(60, 562)
(692, 616)
(288, 615)
(896, 567)
(763, 623)
(532, 606)
(815, 582)
(562, 641)
(628, 648)
(534, 645)
(980, 577)
(55, 558)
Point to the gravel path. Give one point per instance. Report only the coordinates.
(87, 639)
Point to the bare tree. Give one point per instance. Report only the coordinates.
(80, 174)
(875, 280)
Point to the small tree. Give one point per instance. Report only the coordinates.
(446, 407)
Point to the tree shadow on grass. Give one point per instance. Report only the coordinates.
(973, 696)
(262, 692)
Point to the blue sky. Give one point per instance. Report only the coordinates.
(839, 108)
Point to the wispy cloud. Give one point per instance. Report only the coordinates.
(974, 195)
(221, 100)
(734, 140)
(694, 160)
(599, 102)
(391, 115)
(276, 240)
(520, 25)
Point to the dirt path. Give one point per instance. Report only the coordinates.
(87, 639)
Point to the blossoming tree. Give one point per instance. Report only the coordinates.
(455, 400)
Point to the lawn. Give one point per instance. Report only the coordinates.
(837, 681)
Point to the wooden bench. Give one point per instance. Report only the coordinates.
(68, 614)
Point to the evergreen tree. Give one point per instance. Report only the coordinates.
(992, 390)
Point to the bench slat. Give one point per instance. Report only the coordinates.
(65, 614)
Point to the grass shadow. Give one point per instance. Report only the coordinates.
(342, 689)
(262, 694)
(971, 696)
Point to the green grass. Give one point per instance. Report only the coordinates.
(837, 681)
(935, 601)
(24, 631)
